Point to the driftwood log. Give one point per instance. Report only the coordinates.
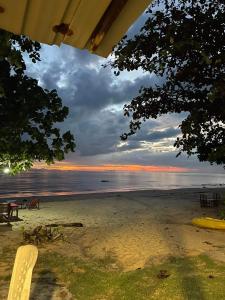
(65, 225)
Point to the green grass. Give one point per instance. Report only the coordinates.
(100, 279)
(5, 277)
(189, 279)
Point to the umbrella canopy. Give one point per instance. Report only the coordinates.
(96, 25)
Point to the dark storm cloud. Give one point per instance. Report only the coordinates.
(154, 135)
(88, 89)
(163, 134)
(102, 134)
(148, 133)
(95, 97)
(130, 145)
(83, 57)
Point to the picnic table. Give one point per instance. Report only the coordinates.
(22, 203)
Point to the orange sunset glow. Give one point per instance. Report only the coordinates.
(111, 167)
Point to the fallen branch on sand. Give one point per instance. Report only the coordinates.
(41, 234)
(65, 225)
(47, 233)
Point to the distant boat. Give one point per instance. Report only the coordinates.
(104, 180)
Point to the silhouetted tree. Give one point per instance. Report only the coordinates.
(28, 113)
(184, 43)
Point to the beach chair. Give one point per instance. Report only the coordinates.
(20, 283)
(209, 200)
(33, 203)
(4, 213)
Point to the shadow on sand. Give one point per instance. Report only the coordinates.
(5, 227)
(190, 283)
(44, 286)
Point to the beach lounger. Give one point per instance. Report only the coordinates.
(20, 283)
(33, 203)
(4, 213)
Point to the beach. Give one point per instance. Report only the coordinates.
(136, 228)
(133, 226)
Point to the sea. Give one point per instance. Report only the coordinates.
(50, 183)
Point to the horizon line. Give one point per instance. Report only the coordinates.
(111, 167)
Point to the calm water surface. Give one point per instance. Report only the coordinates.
(46, 183)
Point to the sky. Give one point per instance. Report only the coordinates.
(95, 97)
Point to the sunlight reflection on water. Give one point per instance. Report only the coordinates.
(49, 183)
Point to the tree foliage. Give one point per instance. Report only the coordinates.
(29, 114)
(184, 43)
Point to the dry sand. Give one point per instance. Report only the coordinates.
(137, 228)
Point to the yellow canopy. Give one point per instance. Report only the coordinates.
(96, 25)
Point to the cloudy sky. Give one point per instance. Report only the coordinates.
(95, 97)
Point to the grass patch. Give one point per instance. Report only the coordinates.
(189, 278)
(5, 277)
(186, 278)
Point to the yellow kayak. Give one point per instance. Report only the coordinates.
(209, 223)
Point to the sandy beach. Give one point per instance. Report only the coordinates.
(136, 228)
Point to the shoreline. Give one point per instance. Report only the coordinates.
(103, 194)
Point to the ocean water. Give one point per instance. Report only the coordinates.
(46, 183)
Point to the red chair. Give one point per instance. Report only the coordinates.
(33, 203)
